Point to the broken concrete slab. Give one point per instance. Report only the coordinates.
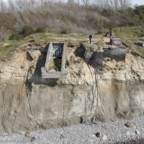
(118, 54)
(88, 55)
(30, 55)
(140, 43)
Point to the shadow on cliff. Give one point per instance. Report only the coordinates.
(36, 76)
(80, 51)
(91, 61)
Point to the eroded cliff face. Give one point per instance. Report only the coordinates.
(29, 102)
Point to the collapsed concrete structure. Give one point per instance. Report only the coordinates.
(96, 57)
(56, 57)
(56, 53)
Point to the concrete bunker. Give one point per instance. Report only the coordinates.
(96, 57)
(119, 54)
(55, 61)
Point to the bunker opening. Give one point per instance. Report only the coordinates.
(55, 61)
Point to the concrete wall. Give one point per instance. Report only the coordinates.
(55, 49)
(118, 54)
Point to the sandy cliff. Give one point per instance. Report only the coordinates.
(29, 102)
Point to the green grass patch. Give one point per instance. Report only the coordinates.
(7, 48)
(129, 32)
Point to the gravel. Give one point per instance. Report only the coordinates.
(113, 132)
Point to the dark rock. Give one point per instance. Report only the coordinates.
(27, 134)
(30, 55)
(128, 124)
(31, 41)
(62, 136)
(32, 139)
(81, 120)
(98, 134)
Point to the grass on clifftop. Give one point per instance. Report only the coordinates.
(129, 35)
(7, 48)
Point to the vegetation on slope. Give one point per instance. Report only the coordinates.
(26, 17)
(20, 19)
